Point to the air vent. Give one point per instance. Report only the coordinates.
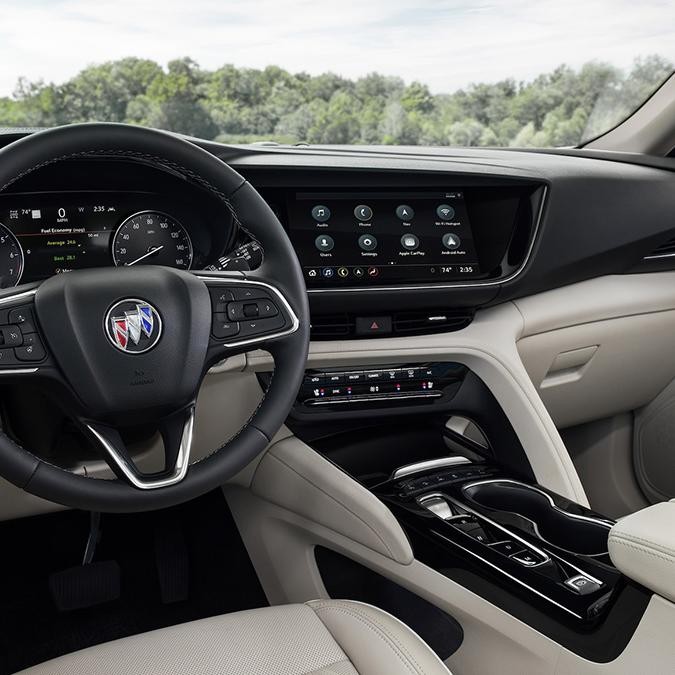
(664, 250)
(418, 322)
(332, 326)
(343, 326)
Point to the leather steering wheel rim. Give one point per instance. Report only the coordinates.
(252, 214)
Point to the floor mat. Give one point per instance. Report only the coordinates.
(221, 578)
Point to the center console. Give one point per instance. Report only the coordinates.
(431, 442)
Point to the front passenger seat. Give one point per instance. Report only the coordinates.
(323, 637)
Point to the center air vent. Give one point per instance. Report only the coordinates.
(419, 322)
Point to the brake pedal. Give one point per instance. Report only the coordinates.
(90, 584)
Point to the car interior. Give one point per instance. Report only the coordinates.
(337, 409)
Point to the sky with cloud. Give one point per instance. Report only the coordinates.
(444, 43)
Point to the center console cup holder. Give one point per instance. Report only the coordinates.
(579, 534)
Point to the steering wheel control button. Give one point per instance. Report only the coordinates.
(367, 242)
(451, 241)
(22, 317)
(373, 325)
(11, 336)
(363, 212)
(445, 212)
(133, 326)
(32, 349)
(410, 242)
(405, 212)
(220, 297)
(324, 243)
(222, 327)
(261, 326)
(320, 213)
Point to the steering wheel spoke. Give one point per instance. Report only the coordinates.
(23, 350)
(246, 311)
(176, 431)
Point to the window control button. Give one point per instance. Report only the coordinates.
(528, 558)
(507, 547)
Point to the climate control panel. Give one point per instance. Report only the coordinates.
(378, 385)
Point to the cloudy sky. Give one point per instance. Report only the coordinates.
(445, 43)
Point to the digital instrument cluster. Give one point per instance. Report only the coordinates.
(42, 234)
(375, 238)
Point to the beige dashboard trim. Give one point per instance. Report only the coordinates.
(488, 347)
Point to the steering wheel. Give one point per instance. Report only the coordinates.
(129, 345)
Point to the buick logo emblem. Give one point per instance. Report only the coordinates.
(133, 326)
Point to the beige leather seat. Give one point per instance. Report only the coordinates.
(327, 637)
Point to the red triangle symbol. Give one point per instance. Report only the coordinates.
(374, 326)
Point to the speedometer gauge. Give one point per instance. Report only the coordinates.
(11, 258)
(152, 238)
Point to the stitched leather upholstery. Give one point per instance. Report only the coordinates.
(323, 637)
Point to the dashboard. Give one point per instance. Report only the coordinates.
(413, 237)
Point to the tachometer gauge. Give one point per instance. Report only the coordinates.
(11, 258)
(152, 238)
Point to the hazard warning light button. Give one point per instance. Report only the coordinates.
(373, 325)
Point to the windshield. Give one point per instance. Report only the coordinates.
(459, 73)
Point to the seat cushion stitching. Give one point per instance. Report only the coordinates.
(403, 655)
(355, 608)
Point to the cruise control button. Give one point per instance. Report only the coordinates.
(11, 336)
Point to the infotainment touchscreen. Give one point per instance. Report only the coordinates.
(378, 238)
